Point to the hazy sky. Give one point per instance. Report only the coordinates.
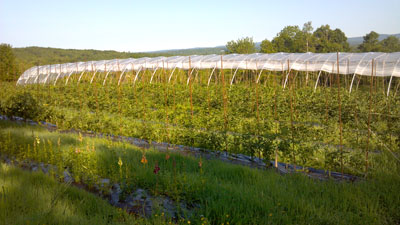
(154, 25)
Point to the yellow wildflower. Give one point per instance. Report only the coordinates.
(120, 162)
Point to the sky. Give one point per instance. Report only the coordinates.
(138, 26)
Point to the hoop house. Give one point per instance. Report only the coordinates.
(387, 64)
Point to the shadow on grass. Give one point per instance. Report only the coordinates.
(34, 198)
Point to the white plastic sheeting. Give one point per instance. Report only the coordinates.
(385, 64)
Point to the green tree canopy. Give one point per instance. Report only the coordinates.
(390, 44)
(8, 66)
(267, 47)
(370, 43)
(328, 40)
(290, 39)
(242, 46)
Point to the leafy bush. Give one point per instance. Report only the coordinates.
(21, 104)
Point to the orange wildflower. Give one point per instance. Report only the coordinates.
(144, 160)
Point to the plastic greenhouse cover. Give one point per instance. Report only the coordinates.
(384, 64)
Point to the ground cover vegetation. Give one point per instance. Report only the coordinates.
(34, 198)
(222, 193)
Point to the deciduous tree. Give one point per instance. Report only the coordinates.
(390, 44)
(242, 46)
(290, 39)
(8, 67)
(267, 47)
(370, 43)
(328, 40)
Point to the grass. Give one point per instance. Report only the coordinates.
(224, 193)
(34, 198)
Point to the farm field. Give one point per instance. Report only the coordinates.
(301, 124)
(298, 124)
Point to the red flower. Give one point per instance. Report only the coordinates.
(166, 156)
(156, 168)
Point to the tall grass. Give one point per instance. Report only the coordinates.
(34, 198)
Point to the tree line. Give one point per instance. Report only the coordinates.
(306, 39)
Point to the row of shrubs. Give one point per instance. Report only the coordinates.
(20, 104)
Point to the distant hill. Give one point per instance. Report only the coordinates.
(200, 50)
(192, 51)
(32, 56)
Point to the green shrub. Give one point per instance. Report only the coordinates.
(21, 104)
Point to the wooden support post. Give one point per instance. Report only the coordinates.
(190, 88)
(376, 78)
(191, 97)
(291, 84)
(174, 91)
(48, 88)
(326, 120)
(166, 102)
(95, 93)
(358, 83)
(369, 117)
(37, 81)
(347, 72)
(306, 73)
(225, 103)
(144, 106)
(133, 74)
(257, 113)
(119, 99)
(389, 116)
(340, 114)
(276, 118)
(134, 88)
(224, 94)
